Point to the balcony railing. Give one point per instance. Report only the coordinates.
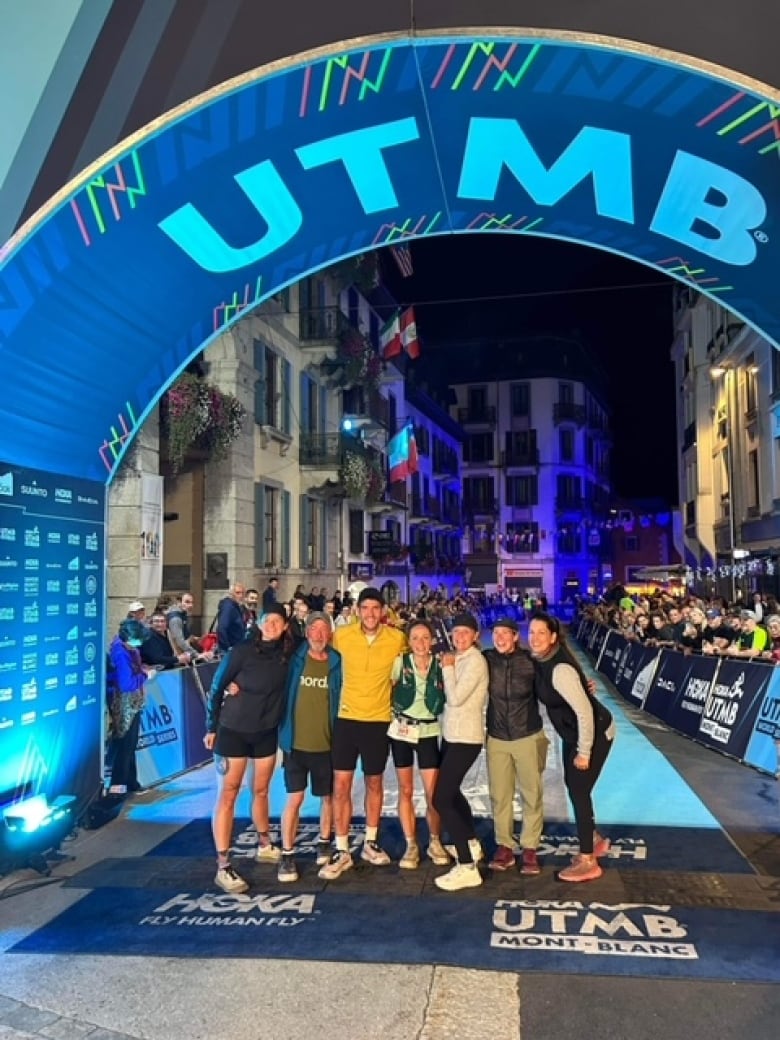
(568, 411)
(326, 450)
(477, 415)
(569, 503)
(369, 403)
(321, 324)
(481, 506)
(513, 457)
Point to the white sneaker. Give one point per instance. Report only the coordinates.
(268, 853)
(462, 875)
(437, 853)
(229, 881)
(372, 852)
(477, 852)
(339, 862)
(411, 858)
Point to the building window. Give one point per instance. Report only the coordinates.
(520, 448)
(273, 396)
(477, 400)
(267, 525)
(751, 388)
(569, 495)
(569, 541)
(313, 532)
(566, 445)
(522, 491)
(522, 537)
(565, 393)
(483, 538)
(632, 543)
(753, 488)
(479, 494)
(478, 447)
(357, 539)
(520, 396)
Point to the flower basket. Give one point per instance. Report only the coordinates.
(355, 474)
(360, 362)
(196, 415)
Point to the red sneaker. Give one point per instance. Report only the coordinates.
(530, 863)
(581, 869)
(601, 846)
(503, 859)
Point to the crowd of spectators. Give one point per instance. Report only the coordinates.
(693, 624)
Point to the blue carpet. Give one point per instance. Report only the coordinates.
(634, 847)
(577, 935)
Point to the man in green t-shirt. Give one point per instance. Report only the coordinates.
(305, 737)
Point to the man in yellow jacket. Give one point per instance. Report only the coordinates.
(368, 650)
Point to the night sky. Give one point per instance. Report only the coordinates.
(559, 288)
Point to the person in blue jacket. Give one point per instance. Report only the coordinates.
(305, 734)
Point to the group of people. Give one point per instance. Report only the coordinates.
(696, 625)
(360, 692)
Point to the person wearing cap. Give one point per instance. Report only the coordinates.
(753, 638)
(466, 682)
(245, 707)
(516, 748)
(418, 701)
(137, 612)
(306, 735)
(368, 650)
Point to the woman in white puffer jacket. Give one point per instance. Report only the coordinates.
(463, 734)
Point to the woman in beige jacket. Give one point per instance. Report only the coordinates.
(463, 732)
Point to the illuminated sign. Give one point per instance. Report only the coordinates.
(207, 215)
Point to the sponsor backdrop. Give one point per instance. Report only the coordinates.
(730, 705)
(51, 634)
(192, 225)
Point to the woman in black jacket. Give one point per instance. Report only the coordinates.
(245, 708)
(587, 730)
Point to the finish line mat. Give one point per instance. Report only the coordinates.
(633, 847)
(575, 932)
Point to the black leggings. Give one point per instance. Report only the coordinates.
(448, 799)
(580, 783)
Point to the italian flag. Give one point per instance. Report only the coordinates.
(402, 457)
(390, 337)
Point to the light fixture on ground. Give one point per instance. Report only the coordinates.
(32, 828)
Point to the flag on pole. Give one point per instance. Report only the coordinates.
(409, 340)
(390, 337)
(402, 255)
(402, 455)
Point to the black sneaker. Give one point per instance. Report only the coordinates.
(324, 851)
(287, 870)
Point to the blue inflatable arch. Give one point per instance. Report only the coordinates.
(114, 285)
(122, 278)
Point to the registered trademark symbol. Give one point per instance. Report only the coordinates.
(761, 236)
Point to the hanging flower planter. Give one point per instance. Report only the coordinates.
(358, 360)
(361, 271)
(198, 416)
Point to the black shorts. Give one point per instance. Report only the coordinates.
(368, 740)
(232, 744)
(428, 753)
(299, 765)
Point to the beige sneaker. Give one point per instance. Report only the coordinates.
(411, 858)
(437, 853)
(268, 853)
(462, 875)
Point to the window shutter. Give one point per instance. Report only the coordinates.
(303, 409)
(259, 525)
(305, 512)
(286, 397)
(261, 416)
(286, 517)
(323, 539)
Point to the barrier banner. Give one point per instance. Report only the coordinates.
(680, 689)
(732, 705)
(635, 671)
(615, 646)
(195, 688)
(763, 750)
(160, 751)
